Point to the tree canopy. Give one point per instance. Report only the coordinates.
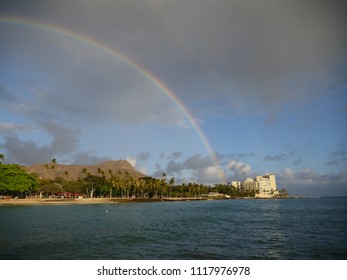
(2, 158)
(14, 179)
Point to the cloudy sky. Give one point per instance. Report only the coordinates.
(207, 91)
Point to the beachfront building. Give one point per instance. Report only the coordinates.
(272, 179)
(236, 184)
(267, 186)
(249, 185)
(263, 185)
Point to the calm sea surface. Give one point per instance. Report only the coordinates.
(229, 229)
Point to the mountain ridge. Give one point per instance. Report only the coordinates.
(75, 171)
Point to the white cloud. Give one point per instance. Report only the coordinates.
(143, 170)
(132, 161)
(309, 182)
(211, 175)
(288, 173)
(239, 169)
(195, 168)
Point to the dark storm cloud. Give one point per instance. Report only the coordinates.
(252, 51)
(221, 56)
(174, 167)
(64, 140)
(277, 44)
(25, 152)
(197, 162)
(78, 79)
(268, 51)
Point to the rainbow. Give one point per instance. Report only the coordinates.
(124, 59)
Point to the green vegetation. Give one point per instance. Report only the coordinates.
(2, 158)
(283, 193)
(15, 181)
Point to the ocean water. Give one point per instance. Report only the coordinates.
(307, 228)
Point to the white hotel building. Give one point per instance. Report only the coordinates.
(264, 185)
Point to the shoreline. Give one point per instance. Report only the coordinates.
(55, 201)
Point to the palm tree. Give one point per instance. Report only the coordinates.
(85, 171)
(127, 183)
(110, 172)
(53, 161)
(100, 171)
(171, 183)
(2, 158)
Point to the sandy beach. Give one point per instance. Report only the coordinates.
(54, 201)
(38, 201)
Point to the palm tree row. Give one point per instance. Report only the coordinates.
(122, 185)
(111, 184)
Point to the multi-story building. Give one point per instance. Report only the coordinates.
(236, 184)
(272, 179)
(265, 184)
(249, 185)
